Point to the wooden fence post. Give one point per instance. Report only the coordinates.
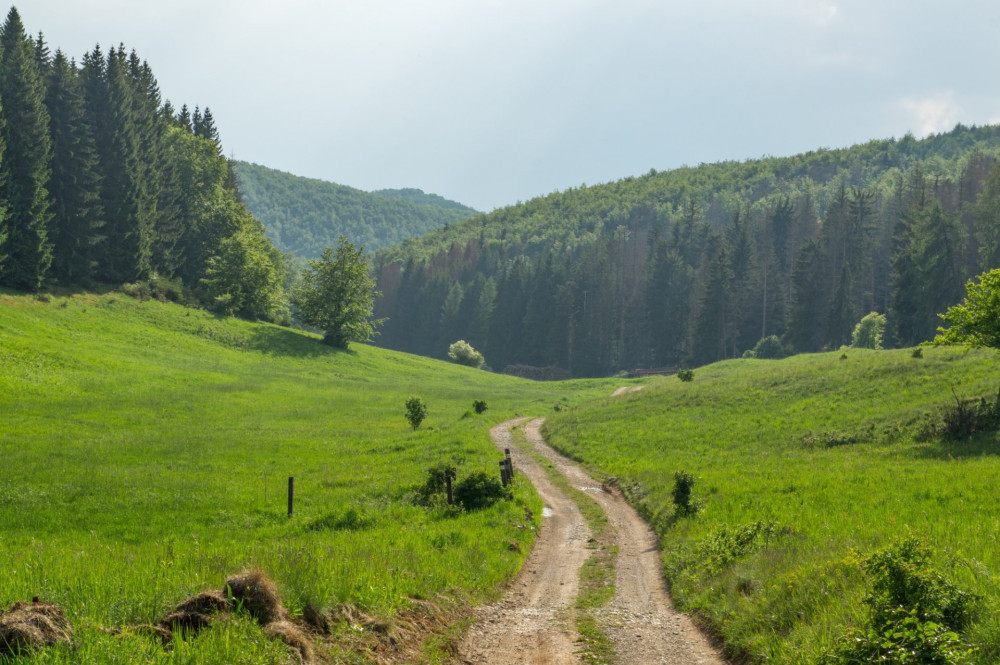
(291, 495)
(503, 472)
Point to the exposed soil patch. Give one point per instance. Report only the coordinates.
(626, 389)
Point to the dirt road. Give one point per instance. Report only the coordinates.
(535, 622)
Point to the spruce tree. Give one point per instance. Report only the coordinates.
(4, 232)
(26, 163)
(125, 254)
(74, 186)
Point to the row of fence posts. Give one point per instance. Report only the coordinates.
(506, 477)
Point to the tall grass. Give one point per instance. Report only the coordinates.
(825, 456)
(146, 450)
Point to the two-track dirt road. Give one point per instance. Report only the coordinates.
(534, 623)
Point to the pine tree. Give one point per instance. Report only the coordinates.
(27, 159)
(207, 130)
(74, 186)
(4, 227)
(125, 254)
(713, 325)
(807, 314)
(184, 118)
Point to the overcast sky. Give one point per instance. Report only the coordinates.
(489, 102)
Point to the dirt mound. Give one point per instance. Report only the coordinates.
(29, 626)
(255, 593)
(290, 634)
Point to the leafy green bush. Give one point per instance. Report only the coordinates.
(480, 490)
(769, 348)
(463, 353)
(479, 406)
(915, 612)
(869, 332)
(917, 353)
(685, 374)
(436, 482)
(416, 411)
(904, 640)
(683, 484)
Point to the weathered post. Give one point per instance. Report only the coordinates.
(510, 464)
(447, 484)
(291, 495)
(503, 472)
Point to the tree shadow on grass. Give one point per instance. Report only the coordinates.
(278, 341)
(981, 444)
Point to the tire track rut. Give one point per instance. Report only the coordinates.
(535, 621)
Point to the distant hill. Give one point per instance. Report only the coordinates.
(698, 264)
(304, 215)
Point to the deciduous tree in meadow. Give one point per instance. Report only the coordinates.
(337, 296)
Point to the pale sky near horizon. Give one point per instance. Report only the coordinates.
(490, 102)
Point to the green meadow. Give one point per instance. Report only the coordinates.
(804, 467)
(146, 450)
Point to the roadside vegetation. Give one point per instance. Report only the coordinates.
(834, 507)
(147, 449)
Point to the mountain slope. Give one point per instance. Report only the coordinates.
(304, 215)
(698, 264)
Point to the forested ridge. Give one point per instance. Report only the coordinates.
(304, 215)
(101, 181)
(698, 264)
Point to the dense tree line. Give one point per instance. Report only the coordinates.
(304, 215)
(103, 182)
(699, 264)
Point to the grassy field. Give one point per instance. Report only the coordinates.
(803, 468)
(146, 450)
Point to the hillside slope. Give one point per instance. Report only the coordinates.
(304, 215)
(698, 264)
(147, 449)
(804, 468)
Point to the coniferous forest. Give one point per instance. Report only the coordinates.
(695, 265)
(102, 181)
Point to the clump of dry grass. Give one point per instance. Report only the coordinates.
(290, 634)
(193, 614)
(257, 595)
(29, 626)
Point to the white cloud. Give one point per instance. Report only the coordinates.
(931, 115)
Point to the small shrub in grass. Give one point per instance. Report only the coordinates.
(685, 375)
(480, 490)
(917, 353)
(902, 575)
(683, 484)
(416, 411)
(905, 640)
(463, 353)
(731, 543)
(769, 348)
(915, 612)
(436, 483)
(869, 332)
(479, 406)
